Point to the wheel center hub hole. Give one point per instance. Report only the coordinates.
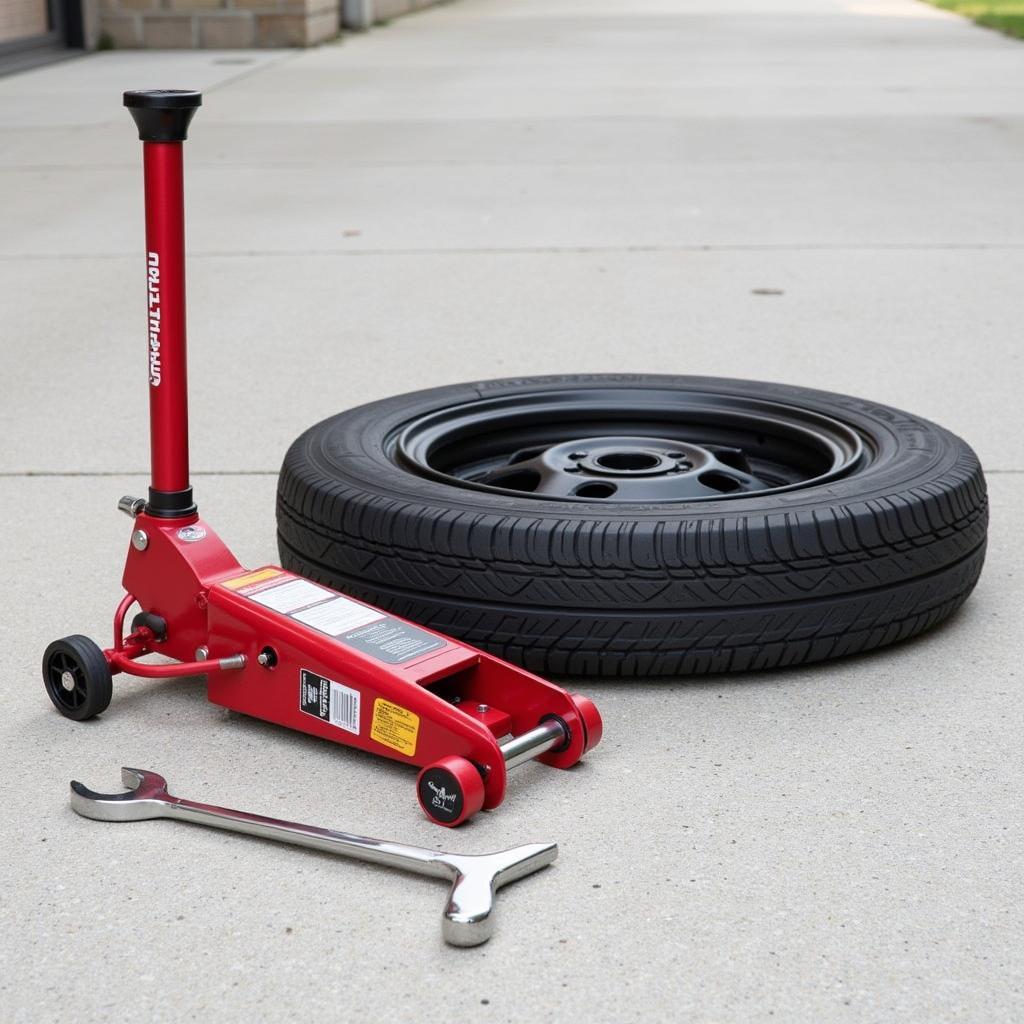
(628, 462)
(629, 459)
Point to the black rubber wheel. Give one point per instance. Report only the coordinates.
(77, 677)
(640, 525)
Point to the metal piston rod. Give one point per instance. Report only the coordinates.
(548, 735)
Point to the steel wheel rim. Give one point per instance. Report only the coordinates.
(59, 664)
(623, 445)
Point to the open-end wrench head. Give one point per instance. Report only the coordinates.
(146, 797)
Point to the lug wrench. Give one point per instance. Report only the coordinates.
(475, 877)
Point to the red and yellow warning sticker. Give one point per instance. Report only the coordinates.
(251, 578)
(395, 727)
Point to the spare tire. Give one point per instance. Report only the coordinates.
(639, 525)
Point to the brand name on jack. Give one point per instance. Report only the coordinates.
(153, 276)
(441, 798)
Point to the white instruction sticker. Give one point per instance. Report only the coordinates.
(360, 627)
(345, 707)
(329, 701)
(289, 597)
(338, 616)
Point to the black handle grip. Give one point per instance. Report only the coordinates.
(163, 115)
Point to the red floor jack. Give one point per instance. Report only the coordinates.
(274, 645)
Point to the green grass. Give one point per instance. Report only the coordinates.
(1005, 15)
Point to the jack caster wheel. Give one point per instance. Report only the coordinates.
(77, 677)
(591, 717)
(450, 791)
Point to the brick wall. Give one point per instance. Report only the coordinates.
(214, 24)
(22, 19)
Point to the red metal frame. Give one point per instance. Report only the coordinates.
(450, 701)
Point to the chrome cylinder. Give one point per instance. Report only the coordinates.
(529, 745)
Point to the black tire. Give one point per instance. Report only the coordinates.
(77, 677)
(889, 546)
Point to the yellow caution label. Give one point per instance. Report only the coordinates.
(252, 577)
(395, 726)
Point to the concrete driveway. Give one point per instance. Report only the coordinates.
(491, 188)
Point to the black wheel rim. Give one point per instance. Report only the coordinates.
(67, 681)
(628, 445)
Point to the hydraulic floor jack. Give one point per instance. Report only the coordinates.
(274, 645)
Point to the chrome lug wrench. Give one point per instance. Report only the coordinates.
(475, 877)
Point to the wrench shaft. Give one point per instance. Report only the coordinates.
(376, 851)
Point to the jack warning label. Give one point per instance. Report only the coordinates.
(392, 641)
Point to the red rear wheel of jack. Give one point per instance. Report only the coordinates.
(450, 791)
(591, 717)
